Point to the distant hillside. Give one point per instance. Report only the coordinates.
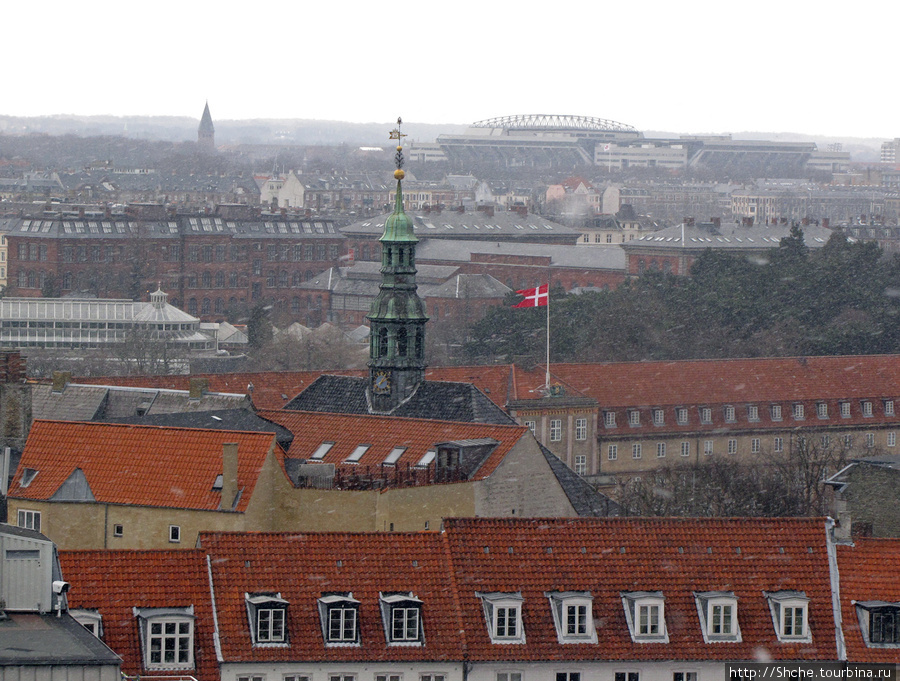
(228, 132)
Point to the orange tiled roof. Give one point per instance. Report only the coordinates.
(139, 465)
(113, 582)
(675, 556)
(868, 572)
(384, 433)
(303, 567)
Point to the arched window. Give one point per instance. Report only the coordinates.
(382, 342)
(220, 306)
(206, 280)
(67, 281)
(309, 275)
(32, 280)
(232, 302)
(297, 278)
(192, 306)
(42, 279)
(401, 342)
(283, 279)
(22, 278)
(205, 308)
(295, 304)
(220, 279)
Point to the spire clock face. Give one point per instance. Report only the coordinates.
(382, 383)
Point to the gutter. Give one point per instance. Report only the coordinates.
(215, 612)
(835, 590)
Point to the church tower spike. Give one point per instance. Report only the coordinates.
(206, 133)
(397, 317)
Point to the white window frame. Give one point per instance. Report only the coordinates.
(889, 407)
(707, 603)
(28, 519)
(634, 418)
(775, 411)
(499, 610)
(581, 429)
(150, 619)
(660, 450)
(91, 620)
(612, 452)
(784, 606)
(636, 450)
(263, 630)
(532, 426)
(329, 606)
(845, 410)
(705, 414)
(754, 445)
(822, 410)
(573, 607)
(637, 604)
(609, 419)
(396, 609)
(798, 412)
(708, 447)
(752, 412)
(681, 415)
(778, 444)
(509, 676)
(870, 440)
(892, 439)
(732, 446)
(866, 407)
(175, 534)
(685, 448)
(581, 464)
(659, 417)
(555, 430)
(730, 415)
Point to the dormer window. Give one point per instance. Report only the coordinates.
(267, 614)
(401, 614)
(889, 407)
(705, 415)
(718, 616)
(879, 623)
(845, 410)
(89, 619)
(659, 417)
(681, 415)
(866, 408)
(609, 419)
(339, 615)
(729, 413)
(822, 410)
(776, 412)
(753, 413)
(645, 613)
(799, 412)
(634, 418)
(503, 616)
(573, 616)
(789, 615)
(167, 637)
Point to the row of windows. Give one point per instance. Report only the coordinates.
(581, 429)
(729, 413)
(846, 441)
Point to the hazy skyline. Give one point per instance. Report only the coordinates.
(691, 67)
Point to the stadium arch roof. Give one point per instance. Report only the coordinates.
(553, 122)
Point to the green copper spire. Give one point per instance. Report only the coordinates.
(397, 315)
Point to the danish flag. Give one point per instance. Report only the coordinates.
(535, 297)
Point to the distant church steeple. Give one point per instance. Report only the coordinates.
(206, 133)
(397, 317)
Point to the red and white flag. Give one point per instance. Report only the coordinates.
(535, 297)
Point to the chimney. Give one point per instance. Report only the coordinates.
(60, 380)
(12, 367)
(198, 387)
(826, 222)
(229, 476)
(689, 222)
(717, 222)
(487, 210)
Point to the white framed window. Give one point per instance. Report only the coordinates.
(754, 445)
(174, 533)
(167, 637)
(532, 426)
(660, 450)
(296, 677)
(775, 410)
(267, 613)
(685, 448)
(581, 464)
(645, 613)
(752, 412)
(432, 677)
(732, 446)
(636, 450)
(778, 444)
(634, 417)
(342, 677)
(789, 615)
(338, 614)
(30, 520)
(609, 419)
(581, 429)
(822, 410)
(848, 441)
(503, 616)
(573, 616)
(870, 439)
(889, 407)
(799, 413)
(718, 615)
(612, 452)
(91, 620)
(509, 676)
(402, 617)
(729, 413)
(555, 430)
(627, 676)
(705, 415)
(118, 530)
(681, 415)
(892, 439)
(251, 677)
(389, 677)
(845, 410)
(866, 408)
(659, 417)
(708, 447)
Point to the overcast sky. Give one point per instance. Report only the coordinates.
(822, 68)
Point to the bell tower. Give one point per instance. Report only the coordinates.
(397, 317)
(206, 133)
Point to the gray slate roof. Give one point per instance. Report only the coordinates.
(727, 237)
(31, 639)
(586, 500)
(439, 400)
(582, 257)
(450, 224)
(466, 286)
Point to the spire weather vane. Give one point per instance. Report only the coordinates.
(398, 157)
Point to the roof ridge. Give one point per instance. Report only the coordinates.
(156, 427)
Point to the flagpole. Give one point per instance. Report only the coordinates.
(547, 376)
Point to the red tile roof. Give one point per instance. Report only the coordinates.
(868, 572)
(384, 433)
(113, 582)
(303, 567)
(675, 556)
(139, 465)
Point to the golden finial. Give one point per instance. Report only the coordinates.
(398, 157)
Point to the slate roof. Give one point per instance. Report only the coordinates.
(466, 286)
(451, 224)
(50, 642)
(114, 582)
(384, 434)
(585, 499)
(568, 256)
(610, 556)
(439, 400)
(303, 567)
(166, 467)
(729, 237)
(868, 573)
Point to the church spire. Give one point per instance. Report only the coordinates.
(206, 133)
(397, 317)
